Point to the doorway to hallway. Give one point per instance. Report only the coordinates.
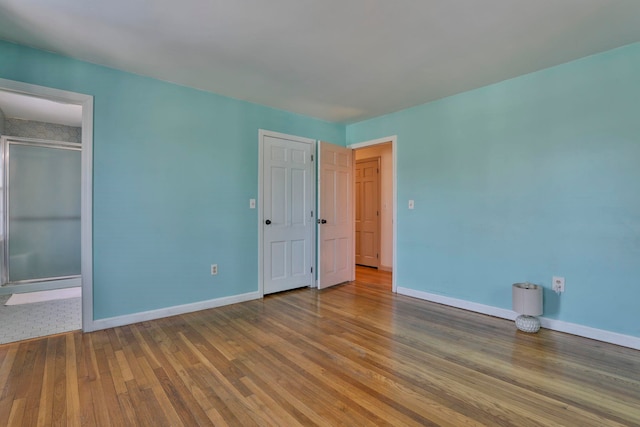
(374, 192)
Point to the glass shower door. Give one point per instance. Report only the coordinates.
(42, 188)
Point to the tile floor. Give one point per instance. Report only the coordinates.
(21, 322)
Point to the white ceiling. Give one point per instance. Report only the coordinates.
(339, 60)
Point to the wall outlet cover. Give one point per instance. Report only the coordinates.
(557, 284)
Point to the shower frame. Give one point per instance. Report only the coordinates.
(5, 144)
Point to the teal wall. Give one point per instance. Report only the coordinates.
(522, 180)
(174, 169)
(518, 181)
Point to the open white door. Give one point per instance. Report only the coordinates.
(335, 219)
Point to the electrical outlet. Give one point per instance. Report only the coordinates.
(214, 269)
(252, 203)
(411, 204)
(557, 284)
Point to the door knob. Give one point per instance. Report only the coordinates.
(268, 222)
(323, 221)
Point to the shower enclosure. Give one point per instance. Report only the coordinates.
(41, 182)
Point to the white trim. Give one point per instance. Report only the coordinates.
(377, 141)
(261, 134)
(459, 303)
(44, 92)
(86, 222)
(86, 215)
(160, 313)
(592, 333)
(394, 154)
(556, 325)
(314, 203)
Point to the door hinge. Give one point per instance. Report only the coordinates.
(312, 157)
(312, 269)
(377, 256)
(377, 213)
(311, 214)
(377, 170)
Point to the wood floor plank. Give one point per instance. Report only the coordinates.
(354, 355)
(104, 391)
(163, 401)
(87, 409)
(318, 395)
(225, 389)
(144, 415)
(71, 387)
(59, 413)
(17, 413)
(272, 384)
(126, 406)
(362, 397)
(45, 407)
(174, 378)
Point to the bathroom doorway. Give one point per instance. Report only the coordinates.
(45, 209)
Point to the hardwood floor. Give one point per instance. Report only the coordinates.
(353, 355)
(373, 277)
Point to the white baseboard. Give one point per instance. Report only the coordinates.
(128, 319)
(592, 333)
(556, 325)
(385, 268)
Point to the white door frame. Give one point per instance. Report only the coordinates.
(261, 134)
(394, 147)
(86, 207)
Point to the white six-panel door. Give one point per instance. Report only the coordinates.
(288, 205)
(336, 228)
